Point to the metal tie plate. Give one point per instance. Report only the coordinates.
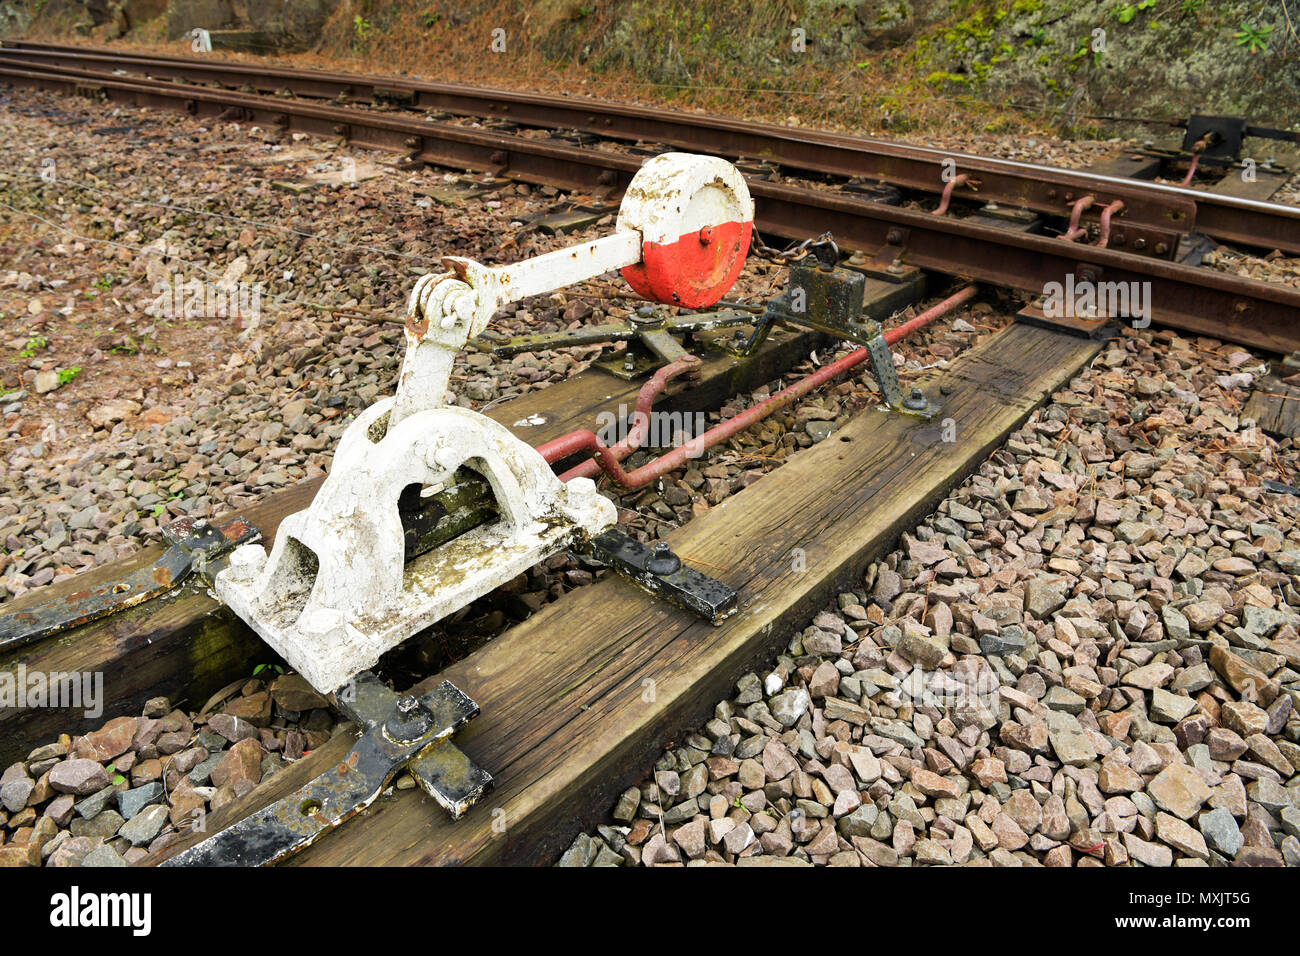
(663, 574)
(399, 732)
(197, 546)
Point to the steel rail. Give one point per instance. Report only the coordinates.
(1155, 215)
(1256, 313)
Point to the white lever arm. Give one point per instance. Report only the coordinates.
(446, 310)
(500, 285)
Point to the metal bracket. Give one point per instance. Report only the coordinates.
(398, 732)
(197, 546)
(882, 367)
(1096, 327)
(1222, 136)
(828, 298)
(820, 297)
(651, 330)
(663, 574)
(648, 332)
(887, 263)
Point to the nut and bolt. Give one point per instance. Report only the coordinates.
(662, 560)
(409, 721)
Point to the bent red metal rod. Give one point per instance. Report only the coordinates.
(607, 459)
(557, 449)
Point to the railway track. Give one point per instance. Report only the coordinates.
(1017, 254)
(878, 476)
(563, 742)
(1155, 215)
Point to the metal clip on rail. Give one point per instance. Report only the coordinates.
(341, 585)
(821, 295)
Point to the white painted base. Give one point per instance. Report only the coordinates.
(335, 593)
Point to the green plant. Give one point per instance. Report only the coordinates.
(104, 284)
(1125, 12)
(939, 78)
(34, 345)
(430, 18)
(1192, 6)
(1081, 53)
(114, 775)
(261, 667)
(66, 375)
(1253, 38)
(362, 28)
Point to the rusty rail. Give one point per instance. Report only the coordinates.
(1255, 313)
(1154, 217)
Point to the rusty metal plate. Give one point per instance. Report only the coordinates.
(196, 546)
(399, 732)
(661, 573)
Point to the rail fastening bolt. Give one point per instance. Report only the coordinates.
(916, 401)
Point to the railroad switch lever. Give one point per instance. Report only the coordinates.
(338, 588)
(347, 579)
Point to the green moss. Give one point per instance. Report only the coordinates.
(938, 79)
